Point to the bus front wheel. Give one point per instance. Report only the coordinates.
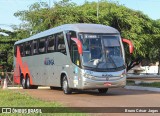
(103, 90)
(65, 86)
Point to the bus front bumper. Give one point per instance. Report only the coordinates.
(92, 84)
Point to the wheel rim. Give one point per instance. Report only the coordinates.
(65, 86)
(28, 83)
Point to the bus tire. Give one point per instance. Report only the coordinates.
(65, 86)
(28, 82)
(103, 90)
(23, 82)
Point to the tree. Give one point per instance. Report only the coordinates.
(134, 25)
(6, 46)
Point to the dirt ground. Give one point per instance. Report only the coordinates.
(116, 97)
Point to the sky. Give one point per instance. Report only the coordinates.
(9, 7)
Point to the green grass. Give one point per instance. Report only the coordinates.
(130, 83)
(154, 84)
(10, 98)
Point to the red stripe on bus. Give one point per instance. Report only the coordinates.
(23, 67)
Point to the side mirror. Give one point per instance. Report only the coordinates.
(131, 47)
(79, 44)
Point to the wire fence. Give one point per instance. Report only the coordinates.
(9, 78)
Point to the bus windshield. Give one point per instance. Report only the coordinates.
(102, 52)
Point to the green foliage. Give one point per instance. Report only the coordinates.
(144, 84)
(133, 25)
(6, 45)
(16, 99)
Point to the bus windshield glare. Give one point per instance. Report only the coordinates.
(102, 52)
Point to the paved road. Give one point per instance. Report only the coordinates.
(116, 97)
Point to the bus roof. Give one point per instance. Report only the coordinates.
(81, 27)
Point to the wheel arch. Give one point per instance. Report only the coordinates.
(21, 77)
(61, 77)
(27, 75)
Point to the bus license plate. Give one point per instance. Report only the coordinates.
(107, 84)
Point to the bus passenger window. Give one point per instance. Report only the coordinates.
(42, 46)
(69, 35)
(34, 47)
(75, 55)
(21, 50)
(61, 47)
(27, 49)
(50, 47)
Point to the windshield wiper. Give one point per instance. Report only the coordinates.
(112, 60)
(98, 63)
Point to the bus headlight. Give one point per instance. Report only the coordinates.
(87, 76)
(123, 74)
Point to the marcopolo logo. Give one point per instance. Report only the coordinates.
(107, 76)
(49, 61)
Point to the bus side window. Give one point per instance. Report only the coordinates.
(27, 48)
(61, 47)
(22, 50)
(69, 35)
(75, 57)
(15, 51)
(34, 47)
(50, 44)
(42, 46)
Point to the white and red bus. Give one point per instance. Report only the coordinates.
(72, 56)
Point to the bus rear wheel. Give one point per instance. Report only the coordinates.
(103, 90)
(23, 82)
(28, 82)
(65, 86)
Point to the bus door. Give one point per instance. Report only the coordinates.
(73, 43)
